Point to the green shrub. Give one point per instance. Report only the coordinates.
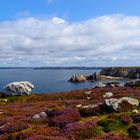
(110, 125)
(82, 131)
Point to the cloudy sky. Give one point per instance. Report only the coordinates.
(69, 33)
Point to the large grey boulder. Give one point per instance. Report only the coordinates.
(122, 104)
(18, 88)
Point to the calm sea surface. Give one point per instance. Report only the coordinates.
(45, 81)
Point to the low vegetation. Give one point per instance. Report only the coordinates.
(68, 117)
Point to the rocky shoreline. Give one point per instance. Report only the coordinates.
(107, 111)
(112, 73)
(125, 72)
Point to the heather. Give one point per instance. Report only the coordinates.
(69, 116)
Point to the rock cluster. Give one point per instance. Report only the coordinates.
(122, 104)
(77, 78)
(133, 83)
(82, 78)
(107, 84)
(18, 88)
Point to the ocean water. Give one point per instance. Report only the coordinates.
(45, 81)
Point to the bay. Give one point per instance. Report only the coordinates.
(47, 80)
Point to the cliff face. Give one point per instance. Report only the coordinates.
(126, 72)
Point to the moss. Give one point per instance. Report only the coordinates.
(96, 131)
(110, 125)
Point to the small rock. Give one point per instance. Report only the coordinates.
(107, 95)
(43, 115)
(36, 116)
(89, 98)
(3, 126)
(85, 106)
(40, 115)
(5, 100)
(87, 92)
(78, 106)
(100, 85)
(1, 112)
(135, 111)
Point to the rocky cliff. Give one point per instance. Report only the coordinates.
(125, 72)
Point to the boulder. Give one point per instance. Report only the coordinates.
(40, 115)
(18, 88)
(78, 106)
(107, 95)
(89, 98)
(77, 78)
(120, 105)
(100, 85)
(93, 77)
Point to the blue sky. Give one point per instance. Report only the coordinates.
(73, 10)
(69, 33)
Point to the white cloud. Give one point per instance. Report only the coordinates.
(102, 41)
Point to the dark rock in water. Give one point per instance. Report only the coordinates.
(125, 72)
(134, 83)
(77, 78)
(112, 84)
(82, 78)
(93, 77)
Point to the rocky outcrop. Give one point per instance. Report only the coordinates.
(120, 105)
(18, 88)
(82, 78)
(133, 83)
(93, 77)
(125, 72)
(107, 84)
(77, 78)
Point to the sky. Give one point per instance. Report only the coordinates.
(69, 33)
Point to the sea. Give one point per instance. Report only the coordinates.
(46, 80)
